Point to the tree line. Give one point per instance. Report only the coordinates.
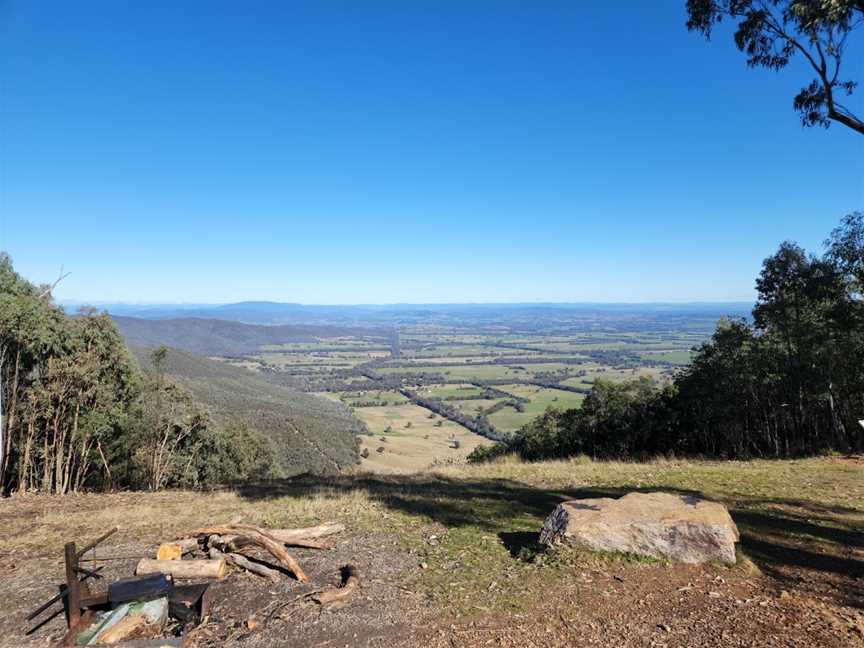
(79, 413)
(477, 424)
(788, 382)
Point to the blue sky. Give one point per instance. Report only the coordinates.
(370, 152)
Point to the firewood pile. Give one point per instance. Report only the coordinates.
(226, 545)
(155, 603)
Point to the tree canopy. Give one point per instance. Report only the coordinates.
(78, 412)
(771, 32)
(788, 383)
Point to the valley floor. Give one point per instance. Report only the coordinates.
(449, 558)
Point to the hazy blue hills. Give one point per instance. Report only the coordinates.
(219, 337)
(265, 312)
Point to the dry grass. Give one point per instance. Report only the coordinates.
(35, 525)
(415, 448)
(801, 521)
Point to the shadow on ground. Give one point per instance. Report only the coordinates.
(787, 539)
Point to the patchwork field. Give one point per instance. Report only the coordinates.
(481, 372)
(539, 400)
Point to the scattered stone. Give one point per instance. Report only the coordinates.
(682, 528)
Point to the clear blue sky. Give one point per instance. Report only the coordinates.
(361, 152)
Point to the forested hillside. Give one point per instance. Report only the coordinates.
(308, 433)
(214, 337)
(79, 413)
(791, 383)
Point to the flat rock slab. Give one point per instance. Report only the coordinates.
(681, 528)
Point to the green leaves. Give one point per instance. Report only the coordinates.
(771, 32)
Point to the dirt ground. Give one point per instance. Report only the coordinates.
(442, 564)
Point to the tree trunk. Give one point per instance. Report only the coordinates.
(8, 422)
(24, 468)
(105, 463)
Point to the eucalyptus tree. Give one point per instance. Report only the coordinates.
(771, 32)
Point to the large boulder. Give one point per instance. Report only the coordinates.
(677, 527)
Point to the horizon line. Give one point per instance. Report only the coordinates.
(106, 303)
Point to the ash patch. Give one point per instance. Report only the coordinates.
(252, 612)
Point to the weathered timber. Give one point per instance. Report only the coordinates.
(289, 535)
(350, 582)
(260, 538)
(182, 568)
(244, 563)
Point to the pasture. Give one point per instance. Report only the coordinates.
(473, 367)
(407, 438)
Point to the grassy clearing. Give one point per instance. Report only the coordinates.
(618, 375)
(390, 396)
(445, 351)
(474, 528)
(415, 441)
(791, 514)
(540, 399)
(452, 391)
(474, 406)
(323, 343)
(458, 372)
(320, 359)
(669, 357)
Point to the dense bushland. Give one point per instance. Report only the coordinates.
(308, 433)
(79, 413)
(788, 383)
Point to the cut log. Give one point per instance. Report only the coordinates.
(240, 541)
(183, 568)
(289, 535)
(350, 582)
(302, 537)
(260, 538)
(169, 551)
(244, 563)
(188, 544)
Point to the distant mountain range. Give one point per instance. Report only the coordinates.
(263, 312)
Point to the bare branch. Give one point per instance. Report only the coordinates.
(50, 288)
